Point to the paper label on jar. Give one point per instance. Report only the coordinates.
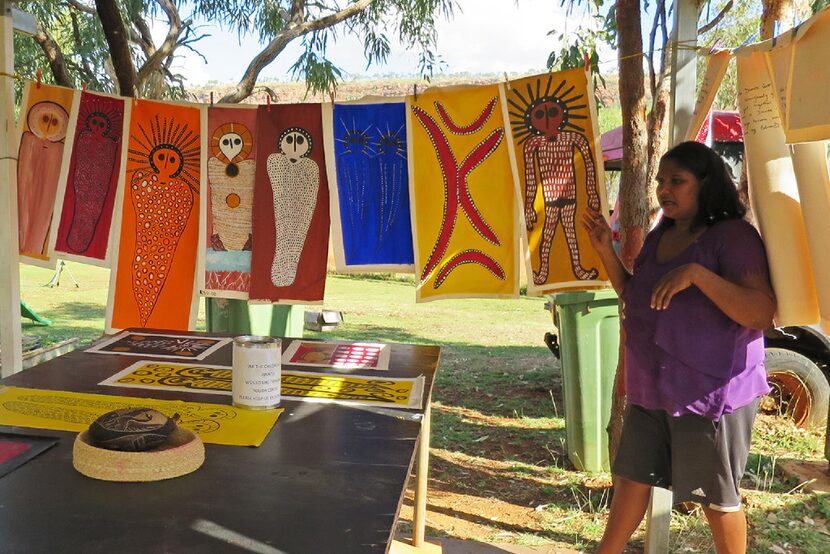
(256, 376)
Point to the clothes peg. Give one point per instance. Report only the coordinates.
(587, 61)
(83, 86)
(268, 101)
(39, 77)
(211, 99)
(415, 91)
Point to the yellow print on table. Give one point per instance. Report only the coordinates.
(352, 389)
(74, 411)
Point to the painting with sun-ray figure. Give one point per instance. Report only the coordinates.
(367, 165)
(86, 203)
(152, 284)
(44, 123)
(558, 172)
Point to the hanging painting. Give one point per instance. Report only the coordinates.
(44, 123)
(84, 207)
(808, 112)
(231, 168)
(291, 206)
(467, 244)
(774, 191)
(555, 146)
(152, 284)
(367, 158)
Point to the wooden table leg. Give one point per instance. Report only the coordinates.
(419, 517)
(420, 512)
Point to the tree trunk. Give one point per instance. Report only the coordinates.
(634, 207)
(118, 42)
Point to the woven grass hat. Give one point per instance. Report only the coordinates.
(183, 453)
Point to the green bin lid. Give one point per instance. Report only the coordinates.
(583, 296)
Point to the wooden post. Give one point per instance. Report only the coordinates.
(11, 355)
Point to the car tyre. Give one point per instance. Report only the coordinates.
(799, 388)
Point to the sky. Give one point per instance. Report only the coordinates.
(485, 36)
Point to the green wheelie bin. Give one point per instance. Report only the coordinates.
(225, 315)
(589, 341)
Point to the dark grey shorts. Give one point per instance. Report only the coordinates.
(700, 460)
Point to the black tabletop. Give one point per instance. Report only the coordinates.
(328, 479)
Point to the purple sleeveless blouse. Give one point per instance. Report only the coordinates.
(691, 357)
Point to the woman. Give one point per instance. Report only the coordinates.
(693, 312)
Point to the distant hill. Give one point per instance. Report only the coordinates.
(295, 91)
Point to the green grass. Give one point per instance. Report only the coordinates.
(498, 427)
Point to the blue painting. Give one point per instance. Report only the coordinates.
(373, 185)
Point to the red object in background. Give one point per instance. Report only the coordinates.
(725, 125)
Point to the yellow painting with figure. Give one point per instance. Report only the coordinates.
(74, 411)
(463, 208)
(554, 148)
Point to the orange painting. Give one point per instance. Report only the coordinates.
(154, 275)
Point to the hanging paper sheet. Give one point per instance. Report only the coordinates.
(555, 152)
(366, 153)
(153, 282)
(291, 206)
(808, 111)
(401, 392)
(228, 202)
(85, 204)
(467, 245)
(812, 177)
(74, 411)
(774, 192)
(716, 65)
(44, 123)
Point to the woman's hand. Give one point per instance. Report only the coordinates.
(671, 283)
(598, 229)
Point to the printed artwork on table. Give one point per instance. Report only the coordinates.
(156, 345)
(74, 411)
(231, 170)
(291, 206)
(86, 205)
(345, 355)
(402, 392)
(16, 449)
(44, 121)
(467, 244)
(154, 276)
(554, 138)
(371, 228)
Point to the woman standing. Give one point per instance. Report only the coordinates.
(693, 311)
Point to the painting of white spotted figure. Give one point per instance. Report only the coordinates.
(367, 157)
(291, 206)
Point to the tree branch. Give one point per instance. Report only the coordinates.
(717, 19)
(82, 7)
(53, 53)
(118, 42)
(167, 47)
(246, 85)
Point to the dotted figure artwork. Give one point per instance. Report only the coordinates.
(38, 169)
(231, 175)
(95, 150)
(295, 181)
(457, 191)
(162, 195)
(543, 121)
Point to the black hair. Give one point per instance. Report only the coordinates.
(718, 198)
